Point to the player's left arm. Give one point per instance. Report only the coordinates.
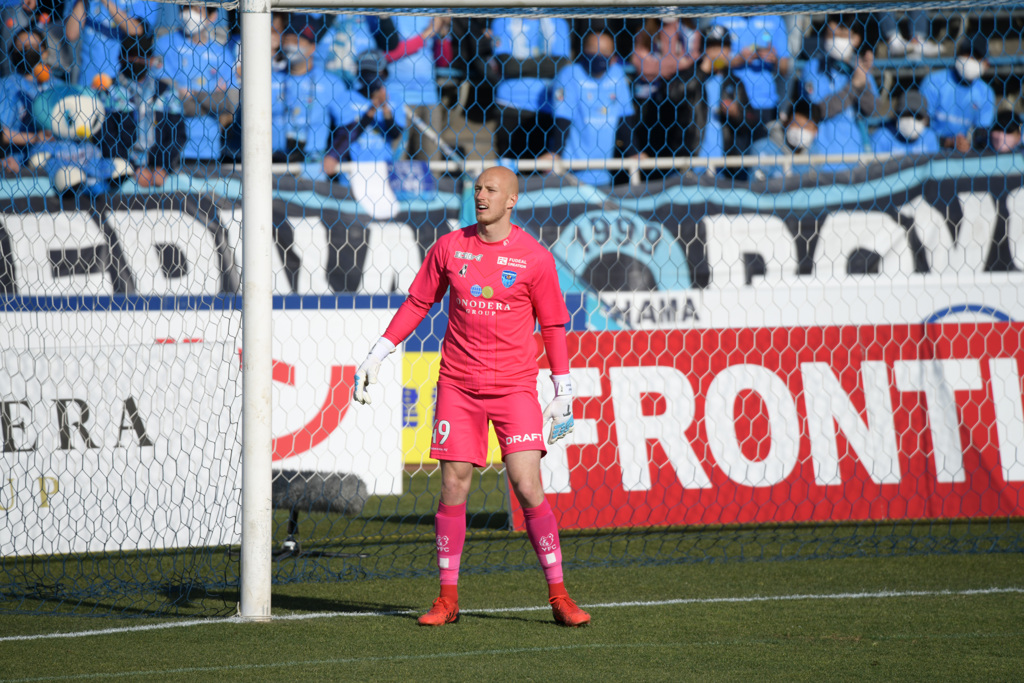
(549, 305)
(559, 410)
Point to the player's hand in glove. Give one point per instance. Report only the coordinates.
(366, 373)
(560, 409)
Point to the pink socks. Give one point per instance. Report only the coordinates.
(450, 534)
(542, 528)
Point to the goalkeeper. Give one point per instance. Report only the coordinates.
(501, 282)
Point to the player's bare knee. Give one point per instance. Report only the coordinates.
(454, 494)
(456, 479)
(528, 490)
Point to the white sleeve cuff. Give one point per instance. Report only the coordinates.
(382, 348)
(563, 385)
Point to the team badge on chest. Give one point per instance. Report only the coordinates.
(508, 278)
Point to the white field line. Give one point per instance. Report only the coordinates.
(874, 595)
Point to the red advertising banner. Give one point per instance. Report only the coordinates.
(796, 424)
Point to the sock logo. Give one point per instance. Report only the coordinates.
(548, 543)
(442, 544)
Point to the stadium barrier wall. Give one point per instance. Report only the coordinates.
(871, 329)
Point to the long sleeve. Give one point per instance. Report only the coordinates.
(867, 100)
(405, 48)
(427, 288)
(171, 136)
(344, 135)
(408, 316)
(556, 348)
(835, 104)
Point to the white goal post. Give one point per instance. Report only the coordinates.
(257, 313)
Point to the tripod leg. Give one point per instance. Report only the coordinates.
(291, 544)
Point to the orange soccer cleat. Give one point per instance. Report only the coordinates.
(444, 611)
(567, 613)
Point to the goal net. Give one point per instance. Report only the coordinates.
(791, 243)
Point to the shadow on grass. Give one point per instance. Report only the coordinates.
(298, 603)
(500, 617)
(478, 520)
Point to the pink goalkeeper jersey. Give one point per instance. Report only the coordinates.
(499, 290)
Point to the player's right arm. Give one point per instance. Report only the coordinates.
(428, 287)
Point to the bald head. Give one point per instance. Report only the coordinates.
(495, 195)
(505, 177)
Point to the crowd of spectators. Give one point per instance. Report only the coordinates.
(376, 88)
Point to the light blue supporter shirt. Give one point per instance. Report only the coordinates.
(956, 106)
(411, 78)
(595, 107)
(372, 145)
(144, 100)
(758, 77)
(348, 36)
(712, 143)
(768, 148)
(309, 107)
(528, 39)
(16, 104)
(887, 140)
(197, 68)
(99, 45)
(837, 134)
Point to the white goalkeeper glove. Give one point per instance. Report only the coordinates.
(366, 374)
(560, 409)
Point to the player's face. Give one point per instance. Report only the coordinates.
(494, 197)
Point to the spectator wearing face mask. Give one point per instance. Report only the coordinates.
(95, 29)
(907, 132)
(372, 136)
(201, 71)
(959, 101)
(310, 107)
(841, 87)
(798, 137)
(590, 100)
(28, 14)
(17, 127)
(145, 123)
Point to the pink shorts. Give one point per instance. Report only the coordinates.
(460, 424)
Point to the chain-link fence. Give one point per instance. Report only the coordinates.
(791, 246)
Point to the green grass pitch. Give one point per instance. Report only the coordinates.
(941, 617)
